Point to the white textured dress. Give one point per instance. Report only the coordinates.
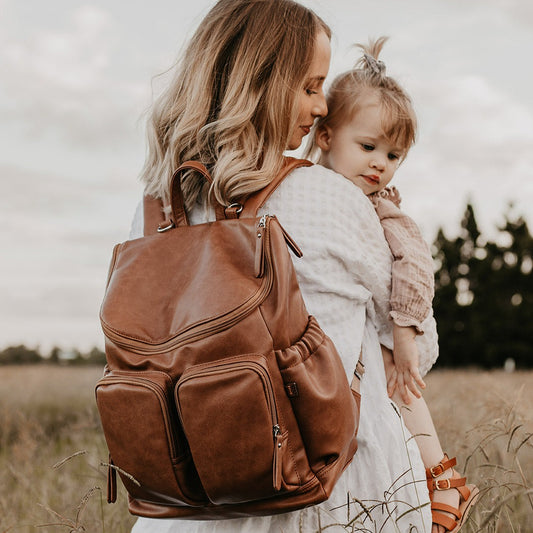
(345, 279)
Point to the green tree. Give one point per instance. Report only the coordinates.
(483, 294)
(19, 355)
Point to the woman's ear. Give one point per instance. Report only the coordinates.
(323, 138)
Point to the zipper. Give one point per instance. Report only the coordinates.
(260, 247)
(161, 396)
(210, 326)
(276, 461)
(271, 401)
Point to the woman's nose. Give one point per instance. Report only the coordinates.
(320, 107)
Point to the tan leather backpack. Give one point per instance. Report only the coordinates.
(222, 397)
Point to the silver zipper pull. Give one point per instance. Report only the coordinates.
(277, 459)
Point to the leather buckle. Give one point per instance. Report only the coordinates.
(436, 470)
(359, 370)
(443, 484)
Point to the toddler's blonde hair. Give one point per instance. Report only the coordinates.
(368, 77)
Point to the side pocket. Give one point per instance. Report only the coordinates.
(229, 415)
(322, 401)
(145, 439)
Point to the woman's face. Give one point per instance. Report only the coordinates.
(311, 101)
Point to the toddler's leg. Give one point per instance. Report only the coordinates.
(418, 421)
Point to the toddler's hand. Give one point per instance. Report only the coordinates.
(406, 375)
(394, 196)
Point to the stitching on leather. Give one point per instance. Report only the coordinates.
(292, 458)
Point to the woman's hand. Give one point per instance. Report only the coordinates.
(405, 374)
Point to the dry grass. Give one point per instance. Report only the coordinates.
(51, 448)
(486, 419)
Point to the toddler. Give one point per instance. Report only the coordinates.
(367, 133)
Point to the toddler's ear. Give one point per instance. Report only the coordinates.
(323, 138)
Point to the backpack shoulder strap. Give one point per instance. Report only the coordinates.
(153, 214)
(257, 200)
(153, 207)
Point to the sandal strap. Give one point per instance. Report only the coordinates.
(441, 467)
(464, 491)
(447, 483)
(439, 506)
(444, 520)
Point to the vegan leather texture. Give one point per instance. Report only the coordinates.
(222, 397)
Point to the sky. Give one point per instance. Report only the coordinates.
(78, 78)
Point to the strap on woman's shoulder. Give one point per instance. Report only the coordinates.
(153, 207)
(153, 214)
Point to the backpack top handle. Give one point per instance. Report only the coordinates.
(179, 215)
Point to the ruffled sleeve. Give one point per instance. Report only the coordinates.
(412, 268)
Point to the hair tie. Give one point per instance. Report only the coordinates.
(377, 67)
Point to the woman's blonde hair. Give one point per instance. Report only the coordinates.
(368, 77)
(232, 103)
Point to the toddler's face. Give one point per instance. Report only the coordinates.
(359, 150)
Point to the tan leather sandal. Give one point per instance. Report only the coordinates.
(468, 494)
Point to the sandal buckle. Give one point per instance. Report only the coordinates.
(437, 470)
(443, 484)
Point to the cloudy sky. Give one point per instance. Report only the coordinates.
(77, 77)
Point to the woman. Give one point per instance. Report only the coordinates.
(249, 87)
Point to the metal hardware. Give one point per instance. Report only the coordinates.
(236, 205)
(443, 484)
(437, 470)
(291, 389)
(162, 229)
(359, 370)
(276, 430)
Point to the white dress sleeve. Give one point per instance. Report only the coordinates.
(137, 224)
(345, 271)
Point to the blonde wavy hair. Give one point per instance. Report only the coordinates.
(368, 76)
(232, 104)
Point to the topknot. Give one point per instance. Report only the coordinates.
(369, 61)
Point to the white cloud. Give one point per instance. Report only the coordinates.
(61, 82)
(475, 143)
(57, 236)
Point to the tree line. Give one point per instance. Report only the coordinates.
(22, 355)
(484, 294)
(483, 301)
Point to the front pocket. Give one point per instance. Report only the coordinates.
(145, 439)
(229, 415)
(322, 402)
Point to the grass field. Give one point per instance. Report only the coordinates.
(51, 448)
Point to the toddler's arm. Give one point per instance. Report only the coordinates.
(412, 268)
(412, 290)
